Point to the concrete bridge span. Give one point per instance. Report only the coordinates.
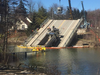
(67, 30)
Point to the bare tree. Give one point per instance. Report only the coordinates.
(55, 6)
(51, 12)
(31, 5)
(31, 8)
(4, 26)
(39, 4)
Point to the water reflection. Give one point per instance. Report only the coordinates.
(82, 61)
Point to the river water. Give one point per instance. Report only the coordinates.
(81, 61)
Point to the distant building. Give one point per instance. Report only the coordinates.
(22, 24)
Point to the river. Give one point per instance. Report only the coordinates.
(75, 61)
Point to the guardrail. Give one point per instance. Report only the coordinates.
(44, 22)
(43, 31)
(30, 37)
(74, 30)
(35, 32)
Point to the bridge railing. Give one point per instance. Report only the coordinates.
(72, 33)
(41, 32)
(35, 32)
(44, 22)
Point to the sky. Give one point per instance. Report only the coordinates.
(88, 4)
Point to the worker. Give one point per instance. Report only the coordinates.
(49, 29)
(54, 29)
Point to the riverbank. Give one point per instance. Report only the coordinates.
(86, 39)
(17, 38)
(12, 70)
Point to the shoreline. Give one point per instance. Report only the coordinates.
(7, 69)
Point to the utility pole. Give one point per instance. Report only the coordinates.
(70, 10)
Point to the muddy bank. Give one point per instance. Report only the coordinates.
(16, 40)
(12, 70)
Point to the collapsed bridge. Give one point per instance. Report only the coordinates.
(61, 36)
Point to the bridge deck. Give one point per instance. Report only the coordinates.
(66, 28)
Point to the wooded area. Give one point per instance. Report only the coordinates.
(94, 17)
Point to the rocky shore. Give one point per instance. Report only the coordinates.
(16, 41)
(12, 70)
(17, 38)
